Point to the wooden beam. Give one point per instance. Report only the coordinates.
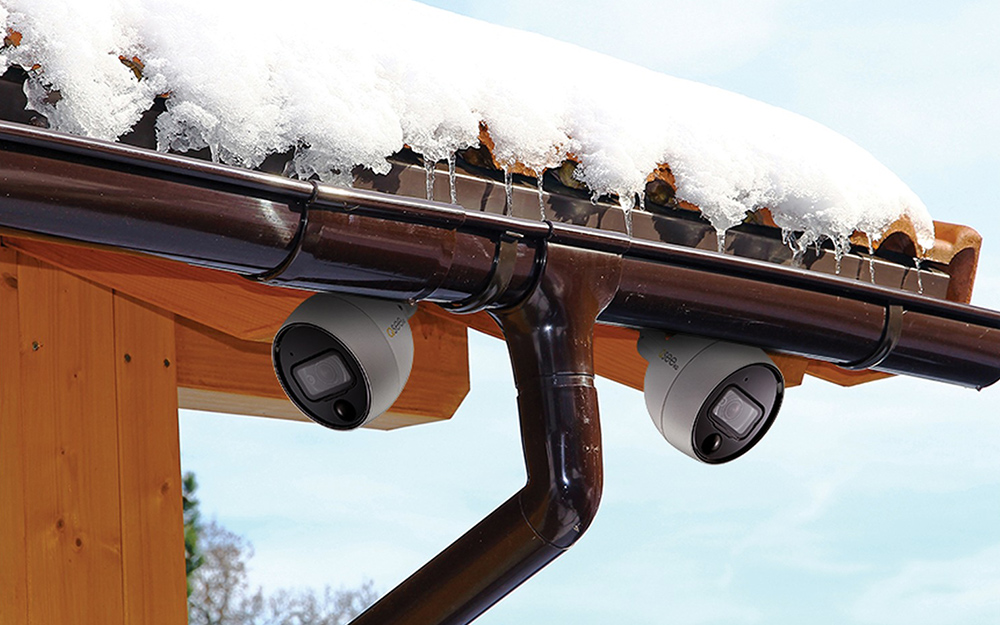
(85, 475)
(616, 358)
(252, 311)
(67, 397)
(224, 350)
(793, 368)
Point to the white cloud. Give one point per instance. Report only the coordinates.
(890, 434)
(618, 587)
(963, 590)
(890, 443)
(919, 91)
(681, 38)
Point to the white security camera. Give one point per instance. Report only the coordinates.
(343, 360)
(710, 399)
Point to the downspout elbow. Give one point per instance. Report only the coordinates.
(550, 339)
(565, 481)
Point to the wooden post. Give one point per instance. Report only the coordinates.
(90, 502)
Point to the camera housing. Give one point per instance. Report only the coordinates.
(711, 399)
(343, 360)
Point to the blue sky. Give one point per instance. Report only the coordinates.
(877, 504)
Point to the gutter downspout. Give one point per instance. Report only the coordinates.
(550, 339)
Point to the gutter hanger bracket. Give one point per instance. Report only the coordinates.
(500, 276)
(887, 342)
(300, 235)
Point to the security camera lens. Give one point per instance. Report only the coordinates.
(736, 412)
(323, 375)
(711, 444)
(344, 410)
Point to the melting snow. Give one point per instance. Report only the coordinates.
(349, 83)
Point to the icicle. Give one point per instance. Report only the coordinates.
(795, 245)
(799, 250)
(451, 179)
(627, 202)
(841, 246)
(508, 185)
(429, 170)
(871, 258)
(920, 282)
(628, 215)
(541, 197)
(720, 237)
(788, 238)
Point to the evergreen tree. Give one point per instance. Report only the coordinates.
(192, 527)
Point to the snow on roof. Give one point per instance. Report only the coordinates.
(348, 83)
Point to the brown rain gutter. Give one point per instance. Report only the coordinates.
(549, 283)
(378, 244)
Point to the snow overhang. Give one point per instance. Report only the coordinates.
(336, 103)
